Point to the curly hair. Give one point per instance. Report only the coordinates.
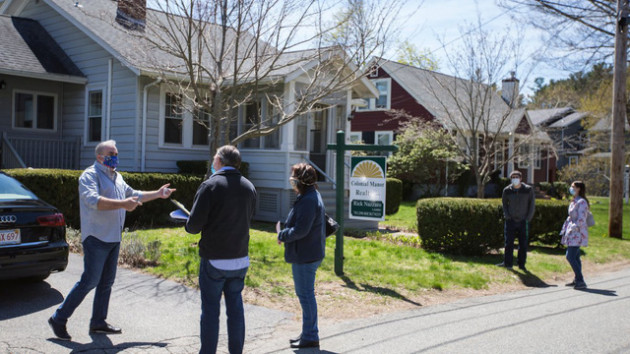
(305, 174)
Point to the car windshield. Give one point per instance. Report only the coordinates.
(10, 189)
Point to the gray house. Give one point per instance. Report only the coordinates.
(71, 76)
(565, 127)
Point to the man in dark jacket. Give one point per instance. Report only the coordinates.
(518, 211)
(222, 211)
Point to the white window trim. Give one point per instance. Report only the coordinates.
(537, 157)
(187, 124)
(522, 162)
(86, 125)
(241, 125)
(35, 94)
(378, 134)
(371, 106)
(499, 151)
(358, 135)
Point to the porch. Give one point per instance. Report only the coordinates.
(24, 152)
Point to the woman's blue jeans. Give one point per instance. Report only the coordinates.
(100, 261)
(212, 283)
(304, 281)
(573, 256)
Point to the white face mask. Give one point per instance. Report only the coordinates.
(516, 181)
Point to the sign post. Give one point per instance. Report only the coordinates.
(340, 148)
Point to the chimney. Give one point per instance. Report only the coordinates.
(132, 14)
(510, 89)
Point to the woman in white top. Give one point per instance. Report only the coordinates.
(575, 231)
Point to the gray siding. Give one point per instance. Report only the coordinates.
(93, 61)
(14, 84)
(163, 158)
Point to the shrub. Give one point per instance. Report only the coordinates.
(475, 226)
(134, 252)
(193, 167)
(560, 190)
(60, 188)
(200, 167)
(393, 192)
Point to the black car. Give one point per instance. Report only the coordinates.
(32, 234)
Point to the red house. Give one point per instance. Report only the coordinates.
(436, 97)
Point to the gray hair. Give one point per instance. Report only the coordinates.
(102, 145)
(229, 156)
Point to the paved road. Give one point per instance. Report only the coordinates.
(159, 316)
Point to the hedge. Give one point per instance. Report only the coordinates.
(60, 188)
(200, 167)
(465, 226)
(393, 195)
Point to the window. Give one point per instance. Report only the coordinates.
(374, 71)
(272, 141)
(528, 154)
(384, 138)
(252, 120)
(524, 157)
(173, 117)
(34, 111)
(499, 155)
(382, 102)
(384, 99)
(259, 115)
(537, 157)
(94, 116)
(201, 123)
(340, 118)
(300, 132)
(355, 137)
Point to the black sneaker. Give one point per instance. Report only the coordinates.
(105, 329)
(580, 285)
(571, 283)
(59, 330)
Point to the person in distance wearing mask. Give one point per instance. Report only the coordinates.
(518, 211)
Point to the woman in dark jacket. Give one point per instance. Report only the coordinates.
(304, 247)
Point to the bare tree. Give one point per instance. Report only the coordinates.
(222, 57)
(596, 29)
(577, 31)
(491, 129)
(364, 28)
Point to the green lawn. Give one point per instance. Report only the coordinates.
(405, 219)
(380, 265)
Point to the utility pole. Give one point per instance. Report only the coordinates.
(615, 213)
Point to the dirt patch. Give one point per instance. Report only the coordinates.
(337, 302)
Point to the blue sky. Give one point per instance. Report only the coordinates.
(443, 18)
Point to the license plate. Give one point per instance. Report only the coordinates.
(10, 237)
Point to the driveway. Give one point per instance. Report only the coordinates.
(156, 315)
(159, 316)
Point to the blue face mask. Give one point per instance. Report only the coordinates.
(110, 161)
(212, 169)
(571, 191)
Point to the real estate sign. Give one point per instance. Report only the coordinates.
(367, 188)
